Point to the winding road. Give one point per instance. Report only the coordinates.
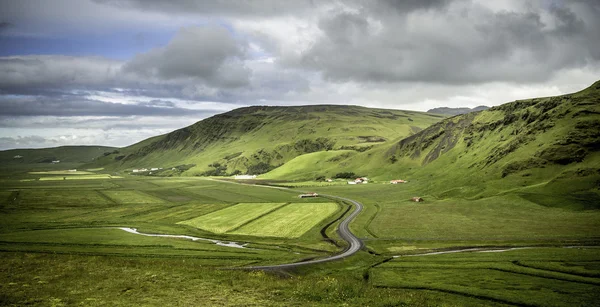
(355, 244)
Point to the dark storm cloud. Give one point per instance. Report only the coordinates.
(464, 43)
(4, 25)
(70, 106)
(208, 53)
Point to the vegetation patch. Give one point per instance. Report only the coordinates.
(291, 221)
(131, 197)
(232, 217)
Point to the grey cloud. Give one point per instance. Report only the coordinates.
(4, 25)
(158, 103)
(464, 43)
(70, 106)
(208, 53)
(196, 56)
(243, 8)
(52, 71)
(25, 142)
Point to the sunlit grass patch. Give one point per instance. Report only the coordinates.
(232, 217)
(291, 221)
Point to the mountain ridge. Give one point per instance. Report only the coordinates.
(456, 111)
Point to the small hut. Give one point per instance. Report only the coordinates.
(308, 195)
(417, 199)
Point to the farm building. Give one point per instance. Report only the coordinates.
(417, 199)
(308, 195)
(245, 177)
(361, 180)
(398, 181)
(17, 157)
(329, 180)
(56, 161)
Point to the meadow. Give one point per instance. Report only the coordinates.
(62, 244)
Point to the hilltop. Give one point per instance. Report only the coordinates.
(456, 111)
(258, 139)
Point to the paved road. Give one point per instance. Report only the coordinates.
(355, 244)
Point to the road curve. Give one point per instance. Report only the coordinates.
(355, 244)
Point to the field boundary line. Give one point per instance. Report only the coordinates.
(368, 223)
(457, 292)
(258, 217)
(590, 275)
(101, 193)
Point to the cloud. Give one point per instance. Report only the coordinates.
(23, 142)
(210, 54)
(220, 7)
(77, 106)
(463, 43)
(19, 73)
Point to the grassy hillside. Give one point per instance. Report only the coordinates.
(258, 139)
(41, 159)
(543, 145)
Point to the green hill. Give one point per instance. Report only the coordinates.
(64, 154)
(258, 139)
(19, 160)
(547, 149)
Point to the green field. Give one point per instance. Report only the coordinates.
(131, 197)
(291, 221)
(529, 277)
(232, 217)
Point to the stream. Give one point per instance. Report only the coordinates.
(220, 243)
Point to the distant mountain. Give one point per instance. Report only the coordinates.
(456, 111)
(258, 139)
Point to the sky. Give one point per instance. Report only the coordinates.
(115, 72)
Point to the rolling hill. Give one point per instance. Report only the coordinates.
(67, 154)
(258, 139)
(543, 146)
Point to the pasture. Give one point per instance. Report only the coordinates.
(232, 217)
(54, 235)
(291, 221)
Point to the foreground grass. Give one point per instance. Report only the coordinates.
(528, 277)
(67, 280)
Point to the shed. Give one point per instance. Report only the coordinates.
(308, 195)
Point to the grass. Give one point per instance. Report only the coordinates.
(500, 277)
(59, 243)
(291, 221)
(62, 198)
(232, 217)
(131, 197)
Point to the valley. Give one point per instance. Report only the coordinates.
(509, 215)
